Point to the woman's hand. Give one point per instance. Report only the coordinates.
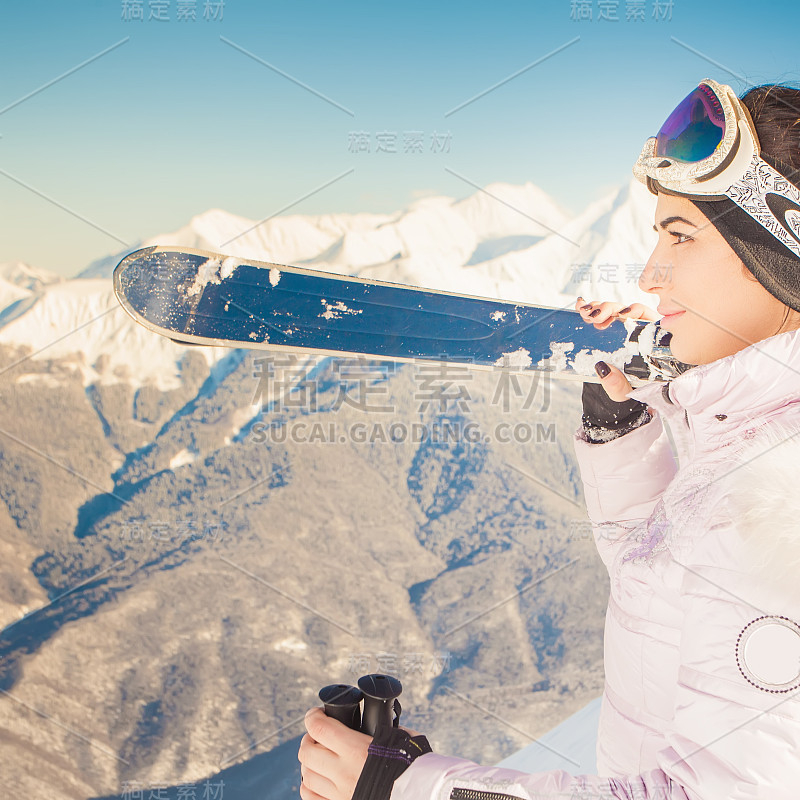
(601, 315)
(331, 758)
(606, 312)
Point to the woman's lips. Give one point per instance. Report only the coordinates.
(667, 318)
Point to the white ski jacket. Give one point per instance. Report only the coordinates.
(702, 635)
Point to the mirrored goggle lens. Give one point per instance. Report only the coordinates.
(694, 129)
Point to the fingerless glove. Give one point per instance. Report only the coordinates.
(604, 419)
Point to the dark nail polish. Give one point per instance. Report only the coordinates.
(588, 305)
(625, 310)
(602, 369)
(595, 312)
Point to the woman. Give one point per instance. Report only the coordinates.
(697, 524)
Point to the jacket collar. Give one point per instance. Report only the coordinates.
(740, 391)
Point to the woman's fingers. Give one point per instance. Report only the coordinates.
(336, 737)
(616, 384)
(322, 771)
(317, 757)
(308, 794)
(602, 313)
(333, 753)
(639, 311)
(316, 786)
(599, 314)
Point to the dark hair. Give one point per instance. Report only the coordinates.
(775, 111)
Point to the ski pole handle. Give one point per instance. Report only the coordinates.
(343, 702)
(381, 706)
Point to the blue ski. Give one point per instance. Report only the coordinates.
(199, 297)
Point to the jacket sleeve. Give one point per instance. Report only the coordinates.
(436, 777)
(623, 479)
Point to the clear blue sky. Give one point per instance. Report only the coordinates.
(174, 120)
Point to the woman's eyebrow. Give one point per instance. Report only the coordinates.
(669, 220)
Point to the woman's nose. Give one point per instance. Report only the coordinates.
(657, 273)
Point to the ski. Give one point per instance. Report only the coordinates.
(199, 297)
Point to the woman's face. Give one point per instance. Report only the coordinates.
(718, 308)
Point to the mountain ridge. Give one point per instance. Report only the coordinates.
(489, 244)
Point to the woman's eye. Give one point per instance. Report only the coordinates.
(680, 238)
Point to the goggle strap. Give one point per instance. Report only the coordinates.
(750, 194)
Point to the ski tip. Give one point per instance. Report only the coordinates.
(128, 260)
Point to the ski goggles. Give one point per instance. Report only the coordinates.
(708, 149)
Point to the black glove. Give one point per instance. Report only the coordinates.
(389, 755)
(604, 419)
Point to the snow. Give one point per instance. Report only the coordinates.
(504, 210)
(291, 645)
(40, 378)
(213, 271)
(25, 276)
(242, 417)
(282, 239)
(20, 281)
(558, 360)
(185, 456)
(208, 272)
(228, 267)
(569, 746)
(274, 276)
(11, 293)
(335, 310)
(82, 320)
(583, 362)
(518, 359)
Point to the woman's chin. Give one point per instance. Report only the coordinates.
(681, 353)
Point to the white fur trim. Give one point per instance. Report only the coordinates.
(765, 501)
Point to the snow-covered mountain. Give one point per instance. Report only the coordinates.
(19, 280)
(81, 320)
(506, 241)
(25, 276)
(136, 460)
